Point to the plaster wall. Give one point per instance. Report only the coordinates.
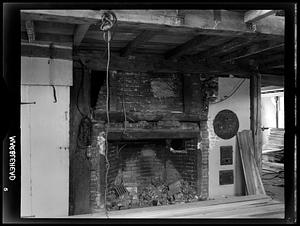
(239, 103)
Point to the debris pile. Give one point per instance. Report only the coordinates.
(157, 193)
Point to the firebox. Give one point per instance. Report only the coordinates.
(151, 172)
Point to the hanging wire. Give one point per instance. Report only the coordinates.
(123, 104)
(108, 123)
(232, 92)
(80, 87)
(85, 126)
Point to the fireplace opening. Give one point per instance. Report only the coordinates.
(148, 173)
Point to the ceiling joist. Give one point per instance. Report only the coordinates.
(225, 48)
(186, 47)
(79, 33)
(143, 37)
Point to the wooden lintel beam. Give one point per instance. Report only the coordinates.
(157, 63)
(252, 16)
(79, 33)
(147, 116)
(143, 37)
(143, 134)
(30, 30)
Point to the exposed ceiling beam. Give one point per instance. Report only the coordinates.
(253, 53)
(143, 37)
(79, 33)
(157, 63)
(252, 16)
(232, 23)
(30, 30)
(225, 48)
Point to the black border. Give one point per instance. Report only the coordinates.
(11, 100)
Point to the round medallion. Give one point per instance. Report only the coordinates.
(226, 124)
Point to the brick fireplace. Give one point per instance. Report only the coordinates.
(164, 137)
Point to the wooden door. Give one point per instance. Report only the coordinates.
(44, 151)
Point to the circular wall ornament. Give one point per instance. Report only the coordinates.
(226, 124)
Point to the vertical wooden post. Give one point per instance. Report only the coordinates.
(255, 115)
(79, 185)
(199, 170)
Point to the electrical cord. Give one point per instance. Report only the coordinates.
(85, 127)
(80, 87)
(232, 92)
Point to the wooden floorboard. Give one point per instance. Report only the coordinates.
(254, 206)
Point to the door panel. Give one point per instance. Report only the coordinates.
(49, 148)
(26, 201)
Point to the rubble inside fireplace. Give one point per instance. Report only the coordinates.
(153, 172)
(157, 193)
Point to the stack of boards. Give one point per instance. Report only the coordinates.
(275, 141)
(273, 151)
